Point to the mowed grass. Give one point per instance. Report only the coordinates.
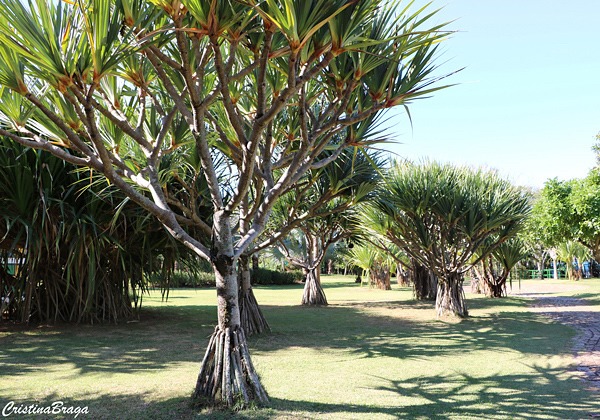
(370, 354)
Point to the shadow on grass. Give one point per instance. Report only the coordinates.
(462, 396)
(160, 337)
(437, 397)
(367, 330)
(353, 327)
(500, 396)
(180, 333)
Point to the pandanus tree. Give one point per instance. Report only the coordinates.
(317, 209)
(319, 234)
(492, 271)
(573, 254)
(442, 215)
(83, 250)
(375, 263)
(87, 78)
(320, 209)
(371, 227)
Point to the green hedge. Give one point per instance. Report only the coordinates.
(184, 279)
(201, 279)
(265, 276)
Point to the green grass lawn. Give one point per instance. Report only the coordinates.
(370, 354)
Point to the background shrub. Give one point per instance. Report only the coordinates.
(180, 278)
(266, 276)
(184, 278)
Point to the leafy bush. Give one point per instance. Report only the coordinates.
(181, 278)
(265, 276)
(83, 248)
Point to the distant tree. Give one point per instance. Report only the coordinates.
(554, 255)
(424, 280)
(320, 209)
(377, 265)
(441, 215)
(569, 210)
(535, 235)
(581, 255)
(492, 271)
(596, 149)
(551, 219)
(573, 254)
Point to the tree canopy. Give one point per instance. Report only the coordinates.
(443, 216)
(569, 210)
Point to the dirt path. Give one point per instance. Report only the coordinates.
(577, 313)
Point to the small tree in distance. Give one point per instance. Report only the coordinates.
(492, 272)
(573, 254)
(252, 92)
(320, 209)
(376, 264)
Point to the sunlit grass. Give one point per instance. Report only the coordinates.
(370, 354)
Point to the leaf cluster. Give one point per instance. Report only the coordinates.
(83, 250)
(446, 217)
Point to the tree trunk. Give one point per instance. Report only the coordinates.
(496, 287)
(330, 267)
(402, 278)
(541, 268)
(596, 253)
(252, 318)
(554, 270)
(379, 276)
(450, 297)
(313, 292)
(254, 262)
(425, 284)
(493, 284)
(478, 285)
(227, 375)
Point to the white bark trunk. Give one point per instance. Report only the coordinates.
(221, 255)
(227, 375)
(313, 292)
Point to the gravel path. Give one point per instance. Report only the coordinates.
(578, 313)
(586, 319)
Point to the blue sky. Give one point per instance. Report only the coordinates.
(528, 101)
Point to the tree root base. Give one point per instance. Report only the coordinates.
(313, 291)
(252, 319)
(227, 376)
(451, 299)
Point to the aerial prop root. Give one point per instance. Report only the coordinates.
(227, 375)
